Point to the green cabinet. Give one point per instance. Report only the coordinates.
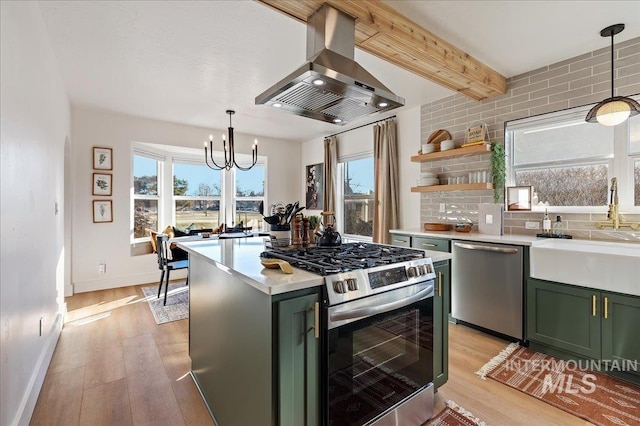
(563, 316)
(298, 361)
(591, 323)
(441, 323)
(426, 243)
(620, 328)
(401, 240)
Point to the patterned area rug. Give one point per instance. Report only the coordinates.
(454, 415)
(177, 306)
(568, 385)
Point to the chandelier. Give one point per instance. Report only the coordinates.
(229, 152)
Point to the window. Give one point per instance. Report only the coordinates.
(357, 207)
(145, 194)
(196, 195)
(570, 162)
(173, 186)
(249, 194)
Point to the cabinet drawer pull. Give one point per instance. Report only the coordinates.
(594, 303)
(606, 308)
(429, 245)
(316, 320)
(440, 284)
(399, 241)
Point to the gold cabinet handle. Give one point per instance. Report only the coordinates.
(400, 241)
(606, 308)
(594, 304)
(429, 245)
(440, 283)
(316, 320)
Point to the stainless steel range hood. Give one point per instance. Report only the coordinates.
(330, 86)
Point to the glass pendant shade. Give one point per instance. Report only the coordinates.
(613, 111)
(616, 109)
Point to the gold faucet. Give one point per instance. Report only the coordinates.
(613, 215)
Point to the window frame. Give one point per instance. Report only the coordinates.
(160, 159)
(175, 198)
(167, 155)
(340, 207)
(619, 165)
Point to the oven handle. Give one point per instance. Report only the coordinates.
(374, 310)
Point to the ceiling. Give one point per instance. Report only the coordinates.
(187, 62)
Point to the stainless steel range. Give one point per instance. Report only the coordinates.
(377, 363)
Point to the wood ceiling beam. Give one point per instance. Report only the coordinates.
(385, 33)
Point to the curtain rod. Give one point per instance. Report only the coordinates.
(364, 125)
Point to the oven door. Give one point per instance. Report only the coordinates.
(378, 352)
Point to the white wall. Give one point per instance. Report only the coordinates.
(361, 140)
(34, 127)
(93, 242)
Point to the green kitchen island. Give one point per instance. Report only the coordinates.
(252, 341)
(254, 333)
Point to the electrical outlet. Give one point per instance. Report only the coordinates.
(102, 268)
(488, 219)
(532, 225)
(442, 208)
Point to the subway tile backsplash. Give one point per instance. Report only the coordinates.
(573, 82)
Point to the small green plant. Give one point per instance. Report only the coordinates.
(497, 169)
(314, 221)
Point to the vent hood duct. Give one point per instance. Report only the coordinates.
(330, 86)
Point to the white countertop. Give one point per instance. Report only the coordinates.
(241, 258)
(523, 240)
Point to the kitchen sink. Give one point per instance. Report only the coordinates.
(596, 264)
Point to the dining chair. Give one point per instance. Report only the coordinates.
(166, 265)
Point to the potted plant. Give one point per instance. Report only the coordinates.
(497, 169)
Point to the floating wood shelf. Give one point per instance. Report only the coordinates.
(458, 187)
(457, 152)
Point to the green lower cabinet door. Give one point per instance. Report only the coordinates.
(564, 316)
(621, 329)
(441, 324)
(298, 362)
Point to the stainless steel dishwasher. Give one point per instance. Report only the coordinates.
(486, 286)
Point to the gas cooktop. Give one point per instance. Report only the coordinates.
(344, 258)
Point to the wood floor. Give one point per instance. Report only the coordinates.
(114, 365)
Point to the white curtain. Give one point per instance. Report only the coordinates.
(386, 196)
(330, 173)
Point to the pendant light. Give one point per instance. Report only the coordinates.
(616, 109)
(229, 152)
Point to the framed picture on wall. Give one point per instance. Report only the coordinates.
(101, 184)
(315, 186)
(102, 158)
(102, 211)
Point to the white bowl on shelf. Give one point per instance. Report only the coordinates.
(428, 148)
(427, 175)
(429, 181)
(446, 145)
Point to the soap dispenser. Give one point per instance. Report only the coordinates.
(546, 223)
(558, 228)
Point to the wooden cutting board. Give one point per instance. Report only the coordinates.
(277, 263)
(438, 227)
(439, 136)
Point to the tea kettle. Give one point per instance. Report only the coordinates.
(329, 237)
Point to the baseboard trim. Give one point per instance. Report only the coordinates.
(124, 281)
(30, 397)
